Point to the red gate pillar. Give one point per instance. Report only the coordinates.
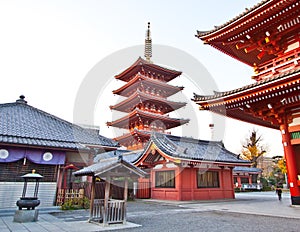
(290, 164)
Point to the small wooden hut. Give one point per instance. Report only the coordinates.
(107, 210)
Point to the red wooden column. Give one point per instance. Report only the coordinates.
(223, 185)
(178, 184)
(250, 179)
(290, 164)
(238, 178)
(232, 184)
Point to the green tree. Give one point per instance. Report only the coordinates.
(279, 169)
(252, 148)
(282, 165)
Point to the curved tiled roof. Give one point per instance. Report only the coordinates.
(249, 30)
(130, 72)
(142, 97)
(246, 169)
(143, 80)
(194, 149)
(247, 11)
(123, 122)
(181, 148)
(218, 95)
(107, 165)
(127, 155)
(21, 123)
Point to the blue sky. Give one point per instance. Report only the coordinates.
(48, 47)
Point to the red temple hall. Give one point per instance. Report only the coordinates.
(146, 91)
(266, 37)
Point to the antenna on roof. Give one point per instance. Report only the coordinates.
(148, 44)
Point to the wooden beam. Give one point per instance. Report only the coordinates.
(106, 199)
(125, 198)
(92, 197)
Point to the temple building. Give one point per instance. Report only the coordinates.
(178, 168)
(265, 37)
(182, 169)
(186, 169)
(33, 139)
(146, 91)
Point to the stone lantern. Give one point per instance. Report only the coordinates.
(28, 202)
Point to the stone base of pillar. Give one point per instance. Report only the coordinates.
(295, 200)
(26, 215)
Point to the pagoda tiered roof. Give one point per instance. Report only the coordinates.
(149, 69)
(138, 115)
(143, 82)
(140, 100)
(146, 90)
(138, 135)
(259, 34)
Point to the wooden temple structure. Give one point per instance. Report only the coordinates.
(109, 211)
(146, 105)
(185, 169)
(267, 38)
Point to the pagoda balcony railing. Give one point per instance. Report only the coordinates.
(282, 64)
(295, 135)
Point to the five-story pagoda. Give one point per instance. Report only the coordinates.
(146, 103)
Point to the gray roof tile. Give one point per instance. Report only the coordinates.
(194, 149)
(246, 169)
(127, 155)
(180, 148)
(21, 123)
(106, 165)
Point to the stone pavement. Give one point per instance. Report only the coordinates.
(48, 222)
(257, 203)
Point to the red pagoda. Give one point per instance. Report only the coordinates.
(146, 103)
(266, 37)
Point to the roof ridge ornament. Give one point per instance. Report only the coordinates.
(21, 100)
(148, 44)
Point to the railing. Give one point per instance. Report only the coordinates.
(97, 211)
(295, 135)
(115, 212)
(286, 62)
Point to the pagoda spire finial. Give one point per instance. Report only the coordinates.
(148, 44)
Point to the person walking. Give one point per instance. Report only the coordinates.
(279, 193)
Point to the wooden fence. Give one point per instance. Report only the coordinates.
(64, 195)
(97, 211)
(115, 212)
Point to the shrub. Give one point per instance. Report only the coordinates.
(76, 203)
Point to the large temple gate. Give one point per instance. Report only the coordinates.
(266, 37)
